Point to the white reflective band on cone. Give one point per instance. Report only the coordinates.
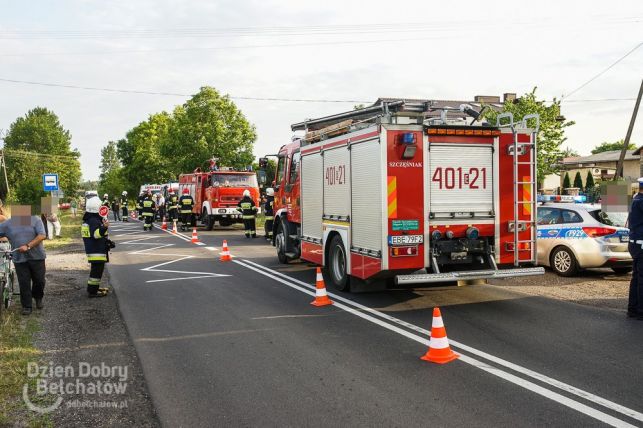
(437, 322)
(319, 277)
(438, 342)
(320, 292)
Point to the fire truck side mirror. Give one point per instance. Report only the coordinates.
(261, 175)
(263, 163)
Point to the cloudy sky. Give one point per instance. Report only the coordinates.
(324, 50)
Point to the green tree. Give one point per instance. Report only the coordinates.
(551, 134)
(36, 144)
(568, 152)
(111, 177)
(207, 126)
(606, 146)
(109, 158)
(589, 181)
(578, 180)
(566, 181)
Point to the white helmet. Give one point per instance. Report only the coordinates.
(270, 191)
(93, 204)
(105, 196)
(246, 193)
(124, 193)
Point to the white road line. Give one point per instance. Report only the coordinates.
(461, 346)
(211, 248)
(308, 289)
(177, 234)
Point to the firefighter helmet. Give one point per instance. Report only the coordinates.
(246, 193)
(171, 191)
(124, 193)
(186, 191)
(270, 191)
(105, 196)
(93, 205)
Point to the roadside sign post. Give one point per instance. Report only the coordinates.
(50, 182)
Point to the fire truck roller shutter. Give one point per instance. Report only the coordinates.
(312, 179)
(461, 178)
(336, 179)
(366, 218)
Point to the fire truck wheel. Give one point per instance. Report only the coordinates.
(208, 220)
(280, 243)
(563, 262)
(336, 266)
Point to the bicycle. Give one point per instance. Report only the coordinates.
(7, 279)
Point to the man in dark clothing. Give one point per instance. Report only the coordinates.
(269, 212)
(116, 209)
(635, 247)
(186, 203)
(149, 206)
(139, 205)
(94, 233)
(248, 210)
(26, 233)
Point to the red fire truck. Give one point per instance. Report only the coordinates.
(399, 191)
(217, 193)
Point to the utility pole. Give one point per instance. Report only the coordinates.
(621, 159)
(3, 165)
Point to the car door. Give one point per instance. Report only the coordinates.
(548, 228)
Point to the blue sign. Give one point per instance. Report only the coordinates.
(50, 182)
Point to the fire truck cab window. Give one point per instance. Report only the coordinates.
(234, 180)
(281, 168)
(549, 216)
(294, 167)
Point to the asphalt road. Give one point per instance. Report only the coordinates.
(238, 344)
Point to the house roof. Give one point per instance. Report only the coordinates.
(609, 156)
(638, 151)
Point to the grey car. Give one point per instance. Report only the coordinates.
(571, 237)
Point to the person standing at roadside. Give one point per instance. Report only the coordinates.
(116, 209)
(94, 233)
(26, 233)
(635, 247)
(74, 206)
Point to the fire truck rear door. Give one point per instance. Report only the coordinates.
(461, 180)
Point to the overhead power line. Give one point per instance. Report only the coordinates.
(602, 72)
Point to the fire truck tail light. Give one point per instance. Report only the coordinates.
(596, 232)
(523, 246)
(404, 251)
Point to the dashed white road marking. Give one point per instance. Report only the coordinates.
(360, 311)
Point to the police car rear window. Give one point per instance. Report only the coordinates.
(571, 217)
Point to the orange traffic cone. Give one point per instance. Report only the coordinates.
(195, 238)
(164, 225)
(321, 298)
(174, 226)
(439, 350)
(225, 254)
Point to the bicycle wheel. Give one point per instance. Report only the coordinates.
(4, 294)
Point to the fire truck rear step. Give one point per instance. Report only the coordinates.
(466, 275)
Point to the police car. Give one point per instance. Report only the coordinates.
(573, 236)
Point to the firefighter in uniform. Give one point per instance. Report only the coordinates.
(124, 206)
(94, 233)
(635, 223)
(172, 204)
(139, 205)
(148, 210)
(269, 211)
(186, 203)
(106, 200)
(248, 211)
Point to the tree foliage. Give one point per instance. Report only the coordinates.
(607, 146)
(551, 134)
(589, 181)
(208, 126)
(578, 180)
(566, 181)
(36, 144)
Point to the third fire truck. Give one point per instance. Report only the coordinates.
(396, 193)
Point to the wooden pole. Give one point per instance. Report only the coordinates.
(621, 159)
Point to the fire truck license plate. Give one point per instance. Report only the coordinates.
(405, 239)
(222, 211)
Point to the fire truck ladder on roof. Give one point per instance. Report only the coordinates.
(517, 149)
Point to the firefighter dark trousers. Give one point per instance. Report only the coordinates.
(148, 221)
(172, 215)
(635, 301)
(95, 275)
(140, 213)
(268, 228)
(186, 220)
(249, 226)
(125, 214)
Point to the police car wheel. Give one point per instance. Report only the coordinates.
(563, 262)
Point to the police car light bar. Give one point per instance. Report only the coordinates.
(562, 198)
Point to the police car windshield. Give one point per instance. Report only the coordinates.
(611, 219)
(234, 180)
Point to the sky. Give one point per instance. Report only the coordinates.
(331, 50)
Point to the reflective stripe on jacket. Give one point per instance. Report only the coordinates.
(94, 235)
(185, 204)
(247, 208)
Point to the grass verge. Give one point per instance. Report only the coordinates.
(69, 231)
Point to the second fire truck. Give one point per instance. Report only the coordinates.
(390, 193)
